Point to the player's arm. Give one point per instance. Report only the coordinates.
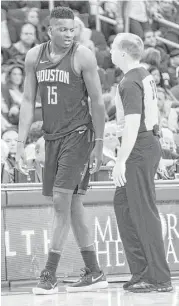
(29, 96)
(91, 78)
(132, 102)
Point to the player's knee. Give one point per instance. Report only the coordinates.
(76, 203)
(62, 202)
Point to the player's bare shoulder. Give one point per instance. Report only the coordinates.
(32, 56)
(85, 58)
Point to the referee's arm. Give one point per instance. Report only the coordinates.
(132, 103)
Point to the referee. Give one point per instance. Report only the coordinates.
(135, 200)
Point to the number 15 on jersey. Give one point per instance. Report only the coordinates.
(52, 94)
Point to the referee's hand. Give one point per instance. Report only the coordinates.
(96, 157)
(118, 174)
(21, 162)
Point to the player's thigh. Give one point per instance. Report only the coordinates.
(52, 149)
(77, 204)
(73, 160)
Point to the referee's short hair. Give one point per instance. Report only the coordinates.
(131, 44)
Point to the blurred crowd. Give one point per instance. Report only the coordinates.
(24, 24)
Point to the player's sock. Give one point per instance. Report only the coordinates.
(90, 260)
(52, 261)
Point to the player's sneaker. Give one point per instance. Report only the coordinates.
(89, 281)
(47, 283)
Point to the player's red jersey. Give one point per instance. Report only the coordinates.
(63, 93)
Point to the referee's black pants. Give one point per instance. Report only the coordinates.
(137, 215)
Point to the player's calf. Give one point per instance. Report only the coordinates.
(48, 281)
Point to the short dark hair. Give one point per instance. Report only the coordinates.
(61, 12)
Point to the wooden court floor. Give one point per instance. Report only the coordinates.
(113, 296)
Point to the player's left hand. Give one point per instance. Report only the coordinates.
(96, 158)
(118, 174)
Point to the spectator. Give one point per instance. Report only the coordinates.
(151, 57)
(167, 166)
(111, 143)
(14, 85)
(167, 141)
(169, 12)
(12, 5)
(97, 37)
(6, 41)
(155, 72)
(40, 151)
(39, 157)
(5, 124)
(174, 68)
(4, 65)
(138, 17)
(35, 132)
(110, 107)
(4, 151)
(32, 16)
(5, 174)
(108, 9)
(175, 91)
(82, 34)
(150, 41)
(10, 136)
(83, 7)
(161, 83)
(168, 116)
(30, 156)
(28, 37)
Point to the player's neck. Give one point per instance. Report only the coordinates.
(131, 65)
(56, 50)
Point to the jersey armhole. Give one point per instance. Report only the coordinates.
(39, 56)
(72, 60)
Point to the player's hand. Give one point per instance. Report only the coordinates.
(96, 157)
(118, 174)
(21, 162)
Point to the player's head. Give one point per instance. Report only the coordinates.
(126, 48)
(61, 30)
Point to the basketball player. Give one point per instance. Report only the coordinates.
(134, 201)
(66, 73)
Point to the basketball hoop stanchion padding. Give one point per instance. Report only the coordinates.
(27, 221)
